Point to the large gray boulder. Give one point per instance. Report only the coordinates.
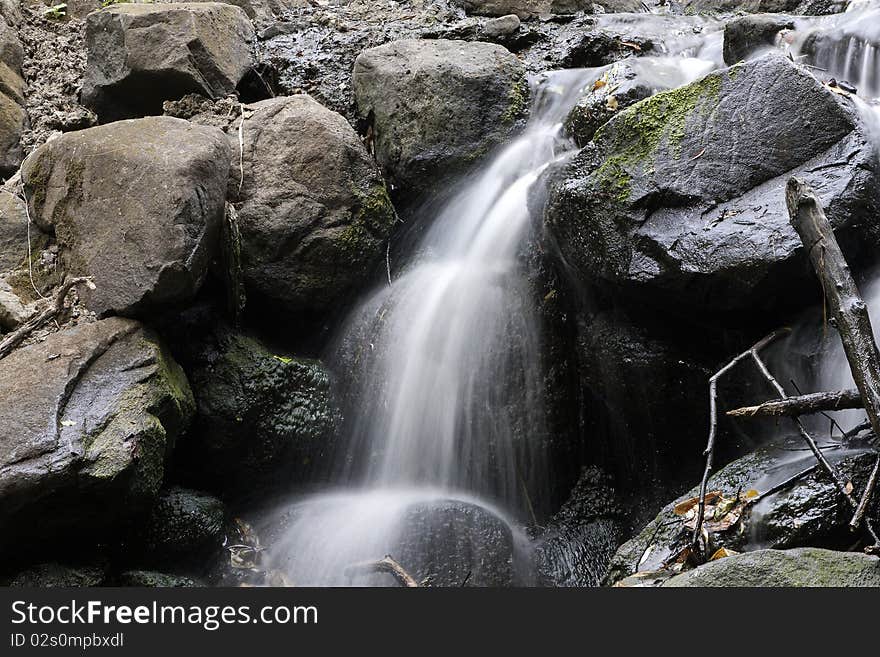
(13, 118)
(681, 197)
(437, 107)
(257, 411)
(135, 204)
(140, 55)
(87, 418)
(313, 209)
(13, 231)
(806, 512)
(800, 567)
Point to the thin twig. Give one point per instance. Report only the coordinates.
(386, 565)
(241, 150)
(784, 484)
(859, 515)
(27, 214)
(15, 338)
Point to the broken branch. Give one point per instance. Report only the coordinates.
(848, 310)
(816, 402)
(386, 565)
(15, 338)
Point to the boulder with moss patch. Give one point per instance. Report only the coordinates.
(140, 55)
(437, 107)
(313, 210)
(137, 205)
(13, 118)
(87, 420)
(681, 197)
(800, 567)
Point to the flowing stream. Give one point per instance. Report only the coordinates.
(445, 452)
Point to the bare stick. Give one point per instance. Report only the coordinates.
(859, 515)
(709, 452)
(15, 338)
(848, 310)
(815, 402)
(386, 565)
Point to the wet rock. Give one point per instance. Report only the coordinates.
(153, 579)
(682, 203)
(437, 107)
(805, 7)
(313, 209)
(619, 90)
(772, 568)
(56, 575)
(581, 537)
(257, 412)
(88, 417)
(140, 55)
(450, 543)
(541, 8)
(135, 204)
(750, 34)
(184, 526)
(807, 512)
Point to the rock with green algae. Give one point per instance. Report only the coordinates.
(88, 418)
(680, 198)
(260, 414)
(809, 511)
(437, 107)
(182, 526)
(778, 568)
(314, 213)
(137, 205)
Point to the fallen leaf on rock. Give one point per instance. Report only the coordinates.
(683, 507)
(720, 553)
(848, 488)
(611, 103)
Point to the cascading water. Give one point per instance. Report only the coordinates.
(446, 441)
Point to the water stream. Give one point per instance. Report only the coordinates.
(445, 453)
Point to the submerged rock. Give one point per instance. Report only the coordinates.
(137, 205)
(750, 34)
(807, 512)
(153, 579)
(140, 55)
(313, 210)
(435, 108)
(772, 568)
(681, 199)
(259, 414)
(581, 537)
(87, 419)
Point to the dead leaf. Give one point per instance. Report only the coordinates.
(751, 493)
(683, 507)
(630, 44)
(721, 553)
(848, 488)
(598, 84)
(611, 103)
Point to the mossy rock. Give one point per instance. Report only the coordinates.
(152, 579)
(56, 575)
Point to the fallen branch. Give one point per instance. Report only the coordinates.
(816, 402)
(386, 565)
(709, 452)
(15, 338)
(849, 312)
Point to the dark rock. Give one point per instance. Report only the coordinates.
(808, 512)
(153, 579)
(257, 412)
(56, 575)
(804, 7)
(313, 209)
(580, 539)
(772, 568)
(88, 417)
(437, 107)
(135, 204)
(751, 34)
(682, 202)
(540, 8)
(184, 526)
(140, 55)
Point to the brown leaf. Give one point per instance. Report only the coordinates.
(720, 553)
(683, 507)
